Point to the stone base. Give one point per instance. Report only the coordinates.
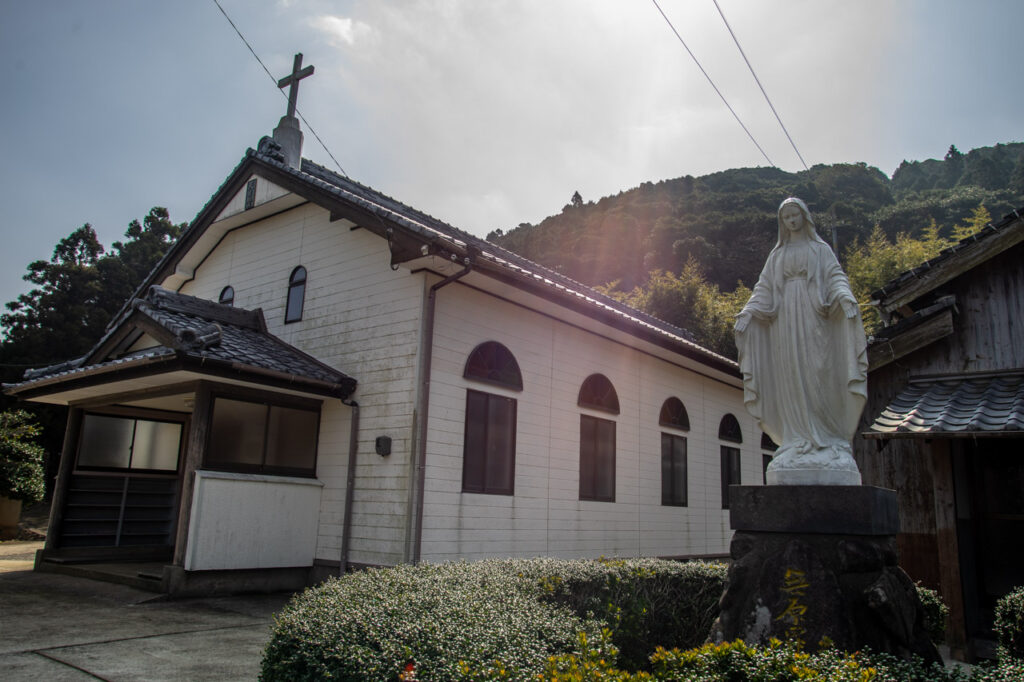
(812, 477)
(811, 564)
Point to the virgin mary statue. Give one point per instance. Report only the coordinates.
(803, 356)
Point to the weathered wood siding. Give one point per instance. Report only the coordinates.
(988, 335)
(360, 317)
(545, 516)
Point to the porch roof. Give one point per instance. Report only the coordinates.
(193, 339)
(964, 405)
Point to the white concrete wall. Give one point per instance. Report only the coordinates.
(360, 317)
(545, 516)
(252, 521)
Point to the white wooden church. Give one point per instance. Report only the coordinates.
(317, 378)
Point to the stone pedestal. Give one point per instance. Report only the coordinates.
(817, 562)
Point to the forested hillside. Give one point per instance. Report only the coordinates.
(726, 221)
(685, 250)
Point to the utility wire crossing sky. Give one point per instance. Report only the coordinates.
(485, 115)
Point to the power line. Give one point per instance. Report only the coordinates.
(724, 101)
(758, 81)
(274, 81)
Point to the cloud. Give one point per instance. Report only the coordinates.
(340, 31)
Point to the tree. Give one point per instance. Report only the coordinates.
(21, 459)
(61, 317)
(576, 200)
(878, 260)
(77, 292)
(980, 217)
(689, 301)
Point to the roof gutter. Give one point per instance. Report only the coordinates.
(426, 354)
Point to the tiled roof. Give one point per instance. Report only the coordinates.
(190, 328)
(523, 268)
(957, 405)
(391, 211)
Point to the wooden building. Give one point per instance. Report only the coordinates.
(944, 424)
(318, 376)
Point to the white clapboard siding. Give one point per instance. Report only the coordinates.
(359, 317)
(545, 516)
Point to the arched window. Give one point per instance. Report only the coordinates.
(296, 295)
(729, 430)
(673, 453)
(673, 413)
(227, 296)
(489, 445)
(597, 393)
(492, 363)
(597, 440)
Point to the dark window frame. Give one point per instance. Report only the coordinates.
(134, 414)
(227, 296)
(598, 393)
(493, 363)
(480, 455)
(729, 429)
(670, 496)
(731, 471)
(267, 401)
(589, 471)
(296, 283)
(673, 414)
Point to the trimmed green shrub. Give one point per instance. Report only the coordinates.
(429, 622)
(935, 613)
(644, 602)
(777, 662)
(21, 459)
(1009, 625)
(496, 619)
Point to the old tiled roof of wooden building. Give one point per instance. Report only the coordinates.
(200, 333)
(955, 406)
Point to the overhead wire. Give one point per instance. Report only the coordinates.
(724, 101)
(758, 81)
(274, 81)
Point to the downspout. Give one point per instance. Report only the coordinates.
(426, 353)
(350, 485)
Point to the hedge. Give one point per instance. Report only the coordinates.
(503, 619)
(461, 620)
(1009, 625)
(777, 662)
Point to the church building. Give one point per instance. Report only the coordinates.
(318, 377)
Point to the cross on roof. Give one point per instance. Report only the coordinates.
(292, 79)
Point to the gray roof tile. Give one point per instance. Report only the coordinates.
(201, 330)
(965, 404)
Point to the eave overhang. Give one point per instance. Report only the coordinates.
(165, 367)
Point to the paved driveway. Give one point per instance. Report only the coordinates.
(55, 627)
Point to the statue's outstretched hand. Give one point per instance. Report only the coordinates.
(850, 307)
(742, 320)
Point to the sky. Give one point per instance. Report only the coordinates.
(484, 113)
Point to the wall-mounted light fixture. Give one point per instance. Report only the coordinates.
(383, 445)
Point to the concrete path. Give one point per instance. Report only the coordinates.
(56, 627)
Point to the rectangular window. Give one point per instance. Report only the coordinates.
(597, 459)
(261, 438)
(673, 470)
(730, 471)
(765, 461)
(489, 448)
(121, 442)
